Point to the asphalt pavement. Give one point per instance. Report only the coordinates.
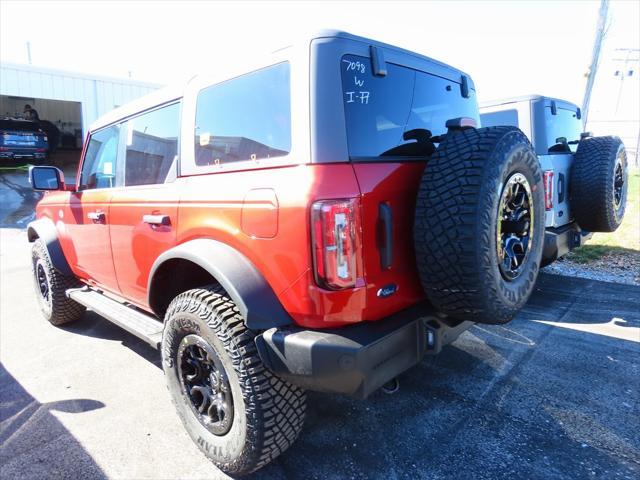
(555, 394)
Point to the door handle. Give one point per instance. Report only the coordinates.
(156, 219)
(96, 216)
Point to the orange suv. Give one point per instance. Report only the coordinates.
(317, 220)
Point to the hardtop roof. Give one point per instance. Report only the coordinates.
(174, 92)
(524, 98)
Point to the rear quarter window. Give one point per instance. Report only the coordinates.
(502, 117)
(246, 118)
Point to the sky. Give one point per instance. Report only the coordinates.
(508, 47)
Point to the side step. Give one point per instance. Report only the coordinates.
(140, 324)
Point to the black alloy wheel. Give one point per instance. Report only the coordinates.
(205, 382)
(514, 227)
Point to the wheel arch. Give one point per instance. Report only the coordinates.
(45, 229)
(197, 262)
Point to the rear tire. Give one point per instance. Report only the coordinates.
(50, 287)
(476, 261)
(599, 184)
(257, 415)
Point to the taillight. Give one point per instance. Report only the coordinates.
(548, 189)
(335, 236)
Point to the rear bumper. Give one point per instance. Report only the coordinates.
(359, 359)
(560, 241)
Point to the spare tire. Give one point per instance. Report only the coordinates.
(479, 224)
(599, 184)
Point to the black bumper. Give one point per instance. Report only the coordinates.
(359, 359)
(560, 241)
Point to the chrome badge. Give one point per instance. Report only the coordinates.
(387, 290)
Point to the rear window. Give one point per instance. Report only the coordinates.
(246, 118)
(564, 124)
(379, 110)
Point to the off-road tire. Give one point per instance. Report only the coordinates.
(268, 411)
(592, 184)
(55, 307)
(456, 220)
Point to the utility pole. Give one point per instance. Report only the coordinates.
(595, 57)
(631, 58)
(29, 52)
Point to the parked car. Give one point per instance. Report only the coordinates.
(585, 177)
(22, 139)
(273, 229)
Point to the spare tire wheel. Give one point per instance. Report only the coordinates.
(599, 184)
(479, 224)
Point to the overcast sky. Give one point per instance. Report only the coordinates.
(509, 48)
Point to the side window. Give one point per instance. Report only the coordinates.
(152, 145)
(247, 118)
(501, 117)
(99, 167)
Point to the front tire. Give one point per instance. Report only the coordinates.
(50, 287)
(238, 413)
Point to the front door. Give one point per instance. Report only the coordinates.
(88, 223)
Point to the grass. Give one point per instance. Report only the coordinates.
(625, 240)
(24, 168)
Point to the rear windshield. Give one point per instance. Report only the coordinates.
(565, 124)
(379, 110)
(18, 125)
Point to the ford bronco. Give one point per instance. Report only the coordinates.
(585, 177)
(273, 229)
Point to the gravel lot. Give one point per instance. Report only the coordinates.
(554, 394)
(613, 267)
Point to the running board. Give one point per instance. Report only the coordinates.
(134, 321)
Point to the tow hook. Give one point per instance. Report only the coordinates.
(391, 387)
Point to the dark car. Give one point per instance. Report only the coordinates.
(22, 139)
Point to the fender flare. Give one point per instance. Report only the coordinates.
(45, 229)
(246, 286)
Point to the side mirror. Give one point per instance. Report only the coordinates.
(46, 178)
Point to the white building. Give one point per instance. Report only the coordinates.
(70, 100)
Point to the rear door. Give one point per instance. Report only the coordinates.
(389, 120)
(143, 213)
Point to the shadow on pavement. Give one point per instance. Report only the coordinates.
(524, 400)
(33, 442)
(93, 325)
